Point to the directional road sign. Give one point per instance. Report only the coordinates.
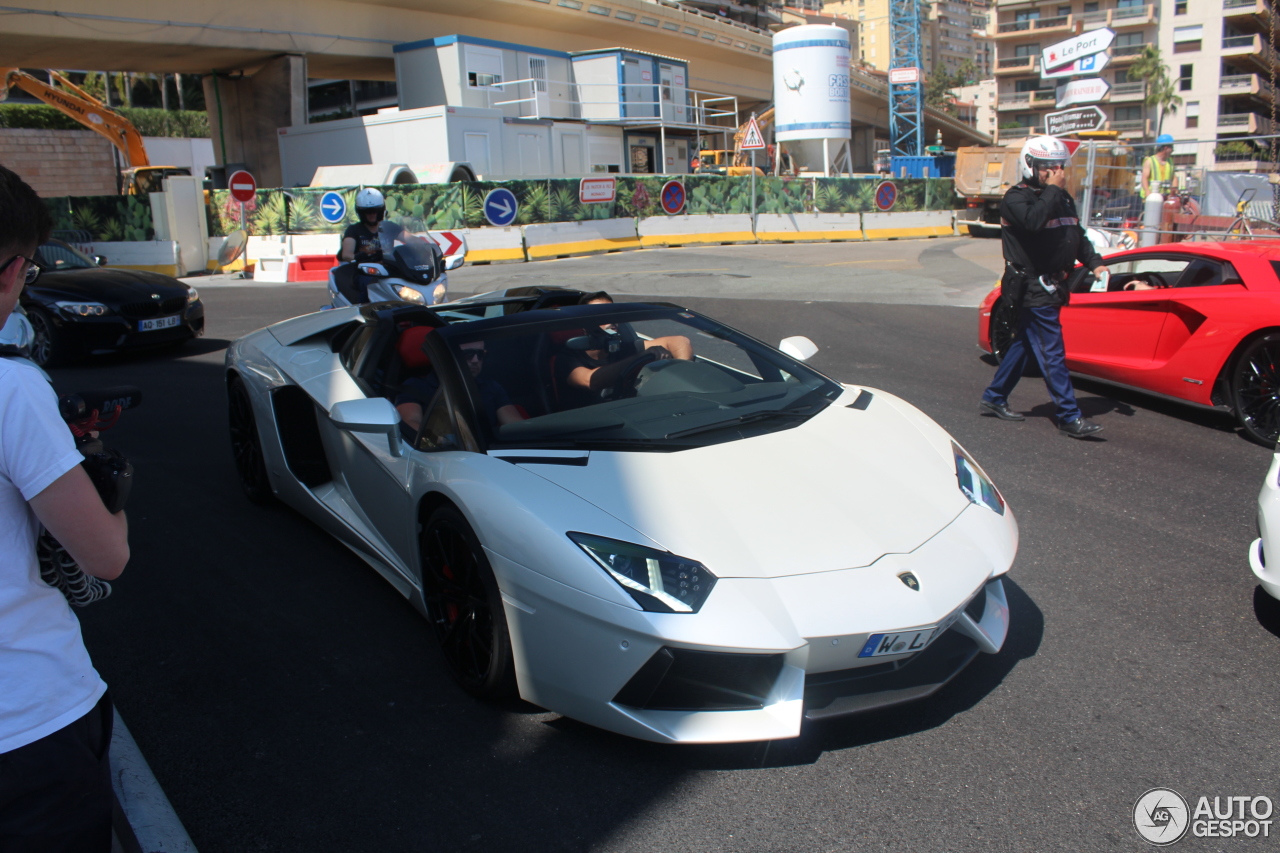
(242, 186)
(1088, 91)
(1074, 121)
(333, 207)
(1076, 47)
(753, 139)
(448, 242)
(673, 197)
(886, 195)
(500, 206)
(1085, 65)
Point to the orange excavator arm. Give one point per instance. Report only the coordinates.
(82, 107)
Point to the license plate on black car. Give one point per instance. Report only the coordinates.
(159, 323)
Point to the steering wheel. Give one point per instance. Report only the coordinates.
(625, 385)
(1154, 279)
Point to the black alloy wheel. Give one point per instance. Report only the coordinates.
(464, 607)
(1004, 325)
(246, 445)
(1255, 389)
(49, 347)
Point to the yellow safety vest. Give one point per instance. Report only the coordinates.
(1161, 174)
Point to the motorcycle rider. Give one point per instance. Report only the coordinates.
(367, 240)
(1043, 238)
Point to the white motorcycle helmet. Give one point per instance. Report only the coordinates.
(1040, 151)
(370, 199)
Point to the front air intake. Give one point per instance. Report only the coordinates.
(685, 680)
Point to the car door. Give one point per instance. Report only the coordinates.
(380, 481)
(1188, 362)
(1114, 334)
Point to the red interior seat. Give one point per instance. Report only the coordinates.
(412, 356)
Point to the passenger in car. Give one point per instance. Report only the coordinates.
(417, 392)
(591, 374)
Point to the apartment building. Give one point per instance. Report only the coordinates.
(980, 98)
(1023, 28)
(950, 32)
(1219, 52)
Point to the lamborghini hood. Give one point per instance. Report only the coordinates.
(837, 492)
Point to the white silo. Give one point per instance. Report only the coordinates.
(811, 93)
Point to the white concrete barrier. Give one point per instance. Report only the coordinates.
(557, 239)
(922, 223)
(315, 244)
(695, 229)
(273, 268)
(486, 245)
(162, 256)
(808, 227)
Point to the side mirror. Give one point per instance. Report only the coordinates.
(452, 262)
(100, 260)
(798, 347)
(376, 415)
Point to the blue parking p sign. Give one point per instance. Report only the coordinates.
(333, 207)
(500, 206)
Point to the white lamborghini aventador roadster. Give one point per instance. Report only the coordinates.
(631, 514)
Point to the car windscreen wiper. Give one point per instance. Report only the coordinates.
(743, 419)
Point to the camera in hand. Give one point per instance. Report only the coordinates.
(87, 412)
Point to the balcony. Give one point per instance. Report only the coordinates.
(1010, 133)
(1246, 85)
(1250, 15)
(1127, 92)
(1130, 127)
(1251, 48)
(1064, 24)
(1249, 123)
(1018, 65)
(1037, 100)
(1132, 16)
(1127, 53)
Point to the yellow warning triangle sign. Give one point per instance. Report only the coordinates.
(753, 139)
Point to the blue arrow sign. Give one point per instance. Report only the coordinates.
(332, 207)
(500, 206)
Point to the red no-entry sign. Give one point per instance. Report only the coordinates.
(242, 186)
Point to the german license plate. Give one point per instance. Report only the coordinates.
(901, 643)
(159, 323)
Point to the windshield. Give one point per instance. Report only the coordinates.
(626, 377)
(57, 255)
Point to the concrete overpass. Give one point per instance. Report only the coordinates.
(263, 52)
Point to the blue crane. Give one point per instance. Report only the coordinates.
(906, 100)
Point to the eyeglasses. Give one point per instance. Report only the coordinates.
(33, 268)
(474, 354)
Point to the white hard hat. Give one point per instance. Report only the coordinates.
(370, 199)
(1039, 151)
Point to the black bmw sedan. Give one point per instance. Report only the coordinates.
(78, 308)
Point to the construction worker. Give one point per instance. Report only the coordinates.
(1157, 170)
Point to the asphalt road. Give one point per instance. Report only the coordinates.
(289, 700)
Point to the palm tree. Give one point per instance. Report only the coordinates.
(1161, 93)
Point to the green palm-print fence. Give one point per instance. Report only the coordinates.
(424, 207)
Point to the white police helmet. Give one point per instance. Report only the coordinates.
(1039, 152)
(17, 336)
(370, 199)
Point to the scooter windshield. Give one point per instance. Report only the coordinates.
(419, 260)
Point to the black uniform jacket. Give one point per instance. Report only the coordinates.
(1042, 235)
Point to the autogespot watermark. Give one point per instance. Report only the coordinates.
(1162, 817)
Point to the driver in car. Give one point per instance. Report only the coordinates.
(417, 392)
(591, 375)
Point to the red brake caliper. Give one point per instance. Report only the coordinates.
(450, 609)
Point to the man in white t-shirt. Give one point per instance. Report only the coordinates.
(55, 716)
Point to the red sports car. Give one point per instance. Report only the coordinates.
(1198, 322)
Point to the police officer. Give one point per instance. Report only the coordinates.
(1043, 238)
